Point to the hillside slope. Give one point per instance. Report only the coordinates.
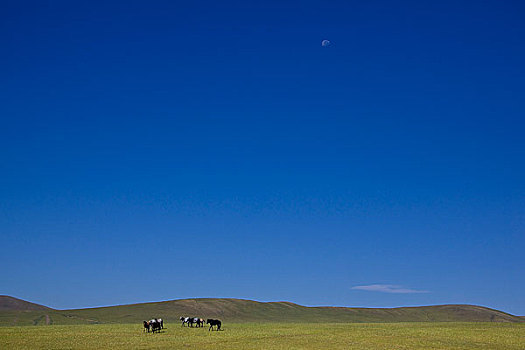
(8, 303)
(237, 310)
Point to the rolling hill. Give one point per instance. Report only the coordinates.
(18, 312)
(8, 303)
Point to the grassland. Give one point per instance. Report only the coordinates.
(255, 325)
(446, 335)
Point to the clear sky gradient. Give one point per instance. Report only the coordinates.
(155, 150)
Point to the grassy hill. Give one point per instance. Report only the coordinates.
(237, 310)
(8, 303)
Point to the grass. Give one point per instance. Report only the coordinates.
(446, 335)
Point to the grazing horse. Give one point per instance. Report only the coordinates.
(196, 321)
(212, 323)
(185, 320)
(155, 325)
(146, 326)
(161, 322)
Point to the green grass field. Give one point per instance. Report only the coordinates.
(446, 335)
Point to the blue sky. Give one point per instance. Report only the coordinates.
(161, 150)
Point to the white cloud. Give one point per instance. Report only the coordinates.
(388, 288)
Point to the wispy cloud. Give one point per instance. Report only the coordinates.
(388, 288)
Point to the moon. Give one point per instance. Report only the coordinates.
(325, 43)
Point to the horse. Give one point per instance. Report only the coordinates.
(146, 326)
(197, 321)
(155, 325)
(212, 323)
(185, 320)
(161, 322)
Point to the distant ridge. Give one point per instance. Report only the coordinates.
(19, 312)
(8, 303)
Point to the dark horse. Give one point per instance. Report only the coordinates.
(155, 325)
(199, 322)
(212, 323)
(146, 326)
